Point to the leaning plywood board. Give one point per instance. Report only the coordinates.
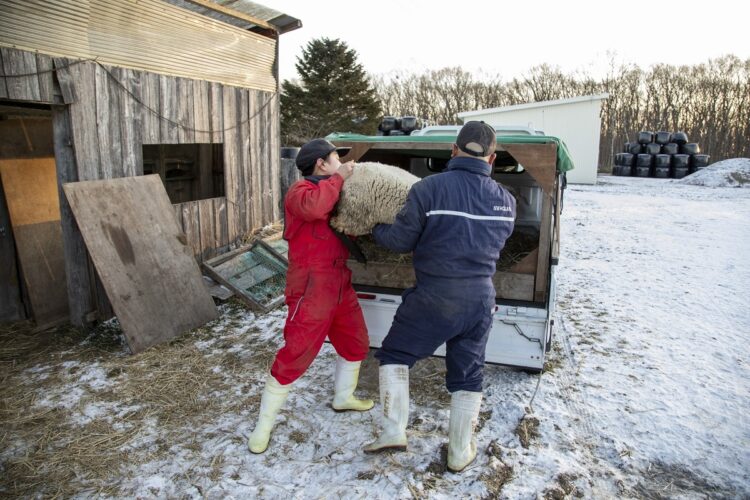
(142, 257)
(30, 186)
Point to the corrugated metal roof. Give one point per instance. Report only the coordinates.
(149, 35)
(282, 22)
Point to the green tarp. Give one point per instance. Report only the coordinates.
(564, 162)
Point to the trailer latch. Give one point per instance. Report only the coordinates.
(520, 332)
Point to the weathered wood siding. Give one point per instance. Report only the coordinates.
(109, 128)
(101, 130)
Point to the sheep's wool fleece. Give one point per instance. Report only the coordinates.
(373, 194)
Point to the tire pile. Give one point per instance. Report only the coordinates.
(392, 126)
(660, 154)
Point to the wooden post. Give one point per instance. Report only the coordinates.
(76, 259)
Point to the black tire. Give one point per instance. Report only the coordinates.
(408, 123)
(699, 161)
(388, 124)
(644, 160)
(652, 148)
(635, 148)
(662, 161)
(661, 172)
(645, 137)
(680, 172)
(642, 171)
(680, 161)
(680, 138)
(691, 148)
(289, 153)
(662, 137)
(671, 148)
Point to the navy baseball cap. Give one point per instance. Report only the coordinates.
(477, 139)
(311, 151)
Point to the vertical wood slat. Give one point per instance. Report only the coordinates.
(216, 112)
(130, 122)
(108, 124)
(220, 224)
(245, 157)
(185, 116)
(76, 258)
(3, 84)
(201, 107)
(151, 124)
(83, 118)
(255, 163)
(168, 131)
(232, 162)
(191, 226)
(545, 234)
(275, 157)
(20, 62)
(208, 243)
(46, 86)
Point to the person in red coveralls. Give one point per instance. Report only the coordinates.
(319, 293)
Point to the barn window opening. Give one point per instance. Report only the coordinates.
(189, 172)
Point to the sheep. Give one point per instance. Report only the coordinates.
(373, 194)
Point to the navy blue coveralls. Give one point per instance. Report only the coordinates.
(456, 223)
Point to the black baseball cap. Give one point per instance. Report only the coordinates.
(476, 139)
(311, 151)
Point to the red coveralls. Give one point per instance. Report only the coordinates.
(319, 293)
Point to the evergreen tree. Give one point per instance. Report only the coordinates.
(334, 94)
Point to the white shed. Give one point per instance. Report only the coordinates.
(576, 121)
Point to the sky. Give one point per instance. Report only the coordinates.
(508, 38)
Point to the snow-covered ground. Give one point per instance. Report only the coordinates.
(647, 394)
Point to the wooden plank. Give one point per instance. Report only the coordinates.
(11, 304)
(20, 62)
(358, 150)
(252, 162)
(262, 133)
(545, 234)
(216, 112)
(45, 68)
(3, 84)
(275, 158)
(247, 196)
(510, 286)
(83, 119)
(130, 121)
(201, 111)
(232, 163)
(539, 160)
(221, 235)
(150, 85)
(108, 125)
(31, 191)
(207, 230)
(227, 11)
(76, 258)
(65, 80)
(558, 208)
(168, 131)
(185, 113)
(150, 277)
(191, 227)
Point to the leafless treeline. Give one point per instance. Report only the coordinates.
(710, 101)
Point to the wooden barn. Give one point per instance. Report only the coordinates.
(101, 89)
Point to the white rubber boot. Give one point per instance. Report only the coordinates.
(274, 396)
(462, 448)
(394, 396)
(344, 383)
